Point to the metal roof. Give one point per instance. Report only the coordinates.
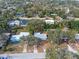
(15, 38)
(40, 36)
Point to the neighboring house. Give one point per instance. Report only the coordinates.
(18, 23)
(41, 36)
(14, 23)
(17, 38)
(49, 22)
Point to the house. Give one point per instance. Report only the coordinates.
(49, 22)
(14, 22)
(18, 23)
(41, 36)
(17, 38)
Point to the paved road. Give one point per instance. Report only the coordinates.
(25, 56)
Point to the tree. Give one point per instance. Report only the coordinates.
(32, 40)
(54, 36)
(51, 53)
(36, 26)
(74, 25)
(57, 35)
(56, 52)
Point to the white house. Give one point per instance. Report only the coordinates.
(13, 22)
(24, 33)
(18, 23)
(49, 21)
(41, 36)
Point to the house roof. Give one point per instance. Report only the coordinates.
(18, 22)
(17, 37)
(40, 36)
(49, 21)
(13, 22)
(24, 33)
